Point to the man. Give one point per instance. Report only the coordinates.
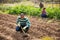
(22, 23)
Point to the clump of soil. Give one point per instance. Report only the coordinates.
(2, 38)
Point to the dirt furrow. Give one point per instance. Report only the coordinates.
(7, 24)
(7, 30)
(6, 37)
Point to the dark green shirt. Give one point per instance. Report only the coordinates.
(23, 21)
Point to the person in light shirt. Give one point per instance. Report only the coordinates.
(23, 22)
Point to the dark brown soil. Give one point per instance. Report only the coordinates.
(39, 28)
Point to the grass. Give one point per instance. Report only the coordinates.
(47, 38)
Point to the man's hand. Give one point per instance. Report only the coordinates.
(24, 27)
(18, 24)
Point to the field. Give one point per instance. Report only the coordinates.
(39, 28)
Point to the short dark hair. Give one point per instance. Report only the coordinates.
(44, 8)
(22, 14)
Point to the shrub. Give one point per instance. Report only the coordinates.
(28, 10)
(31, 10)
(53, 13)
(4, 8)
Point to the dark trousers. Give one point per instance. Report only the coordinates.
(19, 28)
(43, 15)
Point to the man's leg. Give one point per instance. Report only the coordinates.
(17, 28)
(21, 30)
(26, 30)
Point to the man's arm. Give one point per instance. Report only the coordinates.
(18, 22)
(28, 23)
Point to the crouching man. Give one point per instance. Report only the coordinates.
(23, 23)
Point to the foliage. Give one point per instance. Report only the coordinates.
(53, 12)
(4, 8)
(47, 38)
(31, 10)
(28, 10)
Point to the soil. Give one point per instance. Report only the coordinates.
(39, 28)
